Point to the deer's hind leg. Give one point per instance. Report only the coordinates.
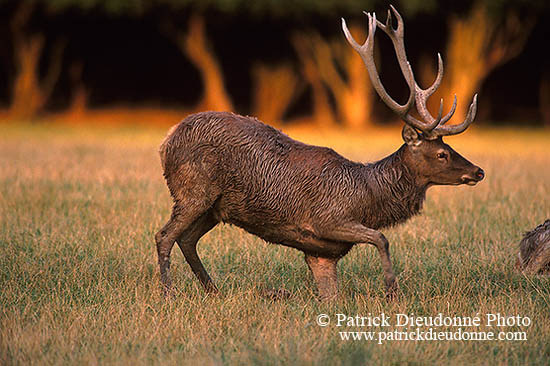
(193, 197)
(187, 242)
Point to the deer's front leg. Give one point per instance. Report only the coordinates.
(357, 233)
(325, 276)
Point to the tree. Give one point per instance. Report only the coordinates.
(338, 68)
(477, 44)
(79, 99)
(30, 92)
(195, 45)
(322, 111)
(274, 89)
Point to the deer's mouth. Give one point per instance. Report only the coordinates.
(469, 181)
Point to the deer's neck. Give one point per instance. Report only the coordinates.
(394, 191)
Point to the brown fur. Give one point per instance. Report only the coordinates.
(534, 251)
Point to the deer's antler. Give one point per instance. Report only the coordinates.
(431, 127)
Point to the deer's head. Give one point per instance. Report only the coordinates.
(433, 161)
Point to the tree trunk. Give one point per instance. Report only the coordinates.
(322, 110)
(196, 46)
(274, 90)
(79, 100)
(27, 97)
(341, 71)
(356, 98)
(29, 92)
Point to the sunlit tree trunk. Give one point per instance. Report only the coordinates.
(339, 69)
(30, 92)
(79, 99)
(352, 91)
(195, 45)
(274, 89)
(322, 110)
(476, 45)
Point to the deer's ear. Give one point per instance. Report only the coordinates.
(410, 136)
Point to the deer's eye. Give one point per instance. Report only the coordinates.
(442, 155)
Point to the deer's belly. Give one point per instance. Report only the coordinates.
(301, 237)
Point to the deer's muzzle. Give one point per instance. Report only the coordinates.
(472, 179)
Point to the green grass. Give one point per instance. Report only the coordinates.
(79, 282)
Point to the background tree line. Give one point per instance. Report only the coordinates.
(282, 60)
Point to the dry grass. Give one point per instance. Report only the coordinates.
(79, 282)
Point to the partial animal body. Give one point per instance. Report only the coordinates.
(222, 167)
(534, 251)
(285, 191)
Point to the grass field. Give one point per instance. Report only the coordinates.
(79, 282)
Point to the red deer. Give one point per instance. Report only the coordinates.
(222, 167)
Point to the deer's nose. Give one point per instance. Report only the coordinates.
(479, 174)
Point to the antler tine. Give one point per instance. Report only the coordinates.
(366, 51)
(438, 78)
(422, 96)
(356, 46)
(450, 114)
(456, 129)
(400, 31)
(453, 130)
